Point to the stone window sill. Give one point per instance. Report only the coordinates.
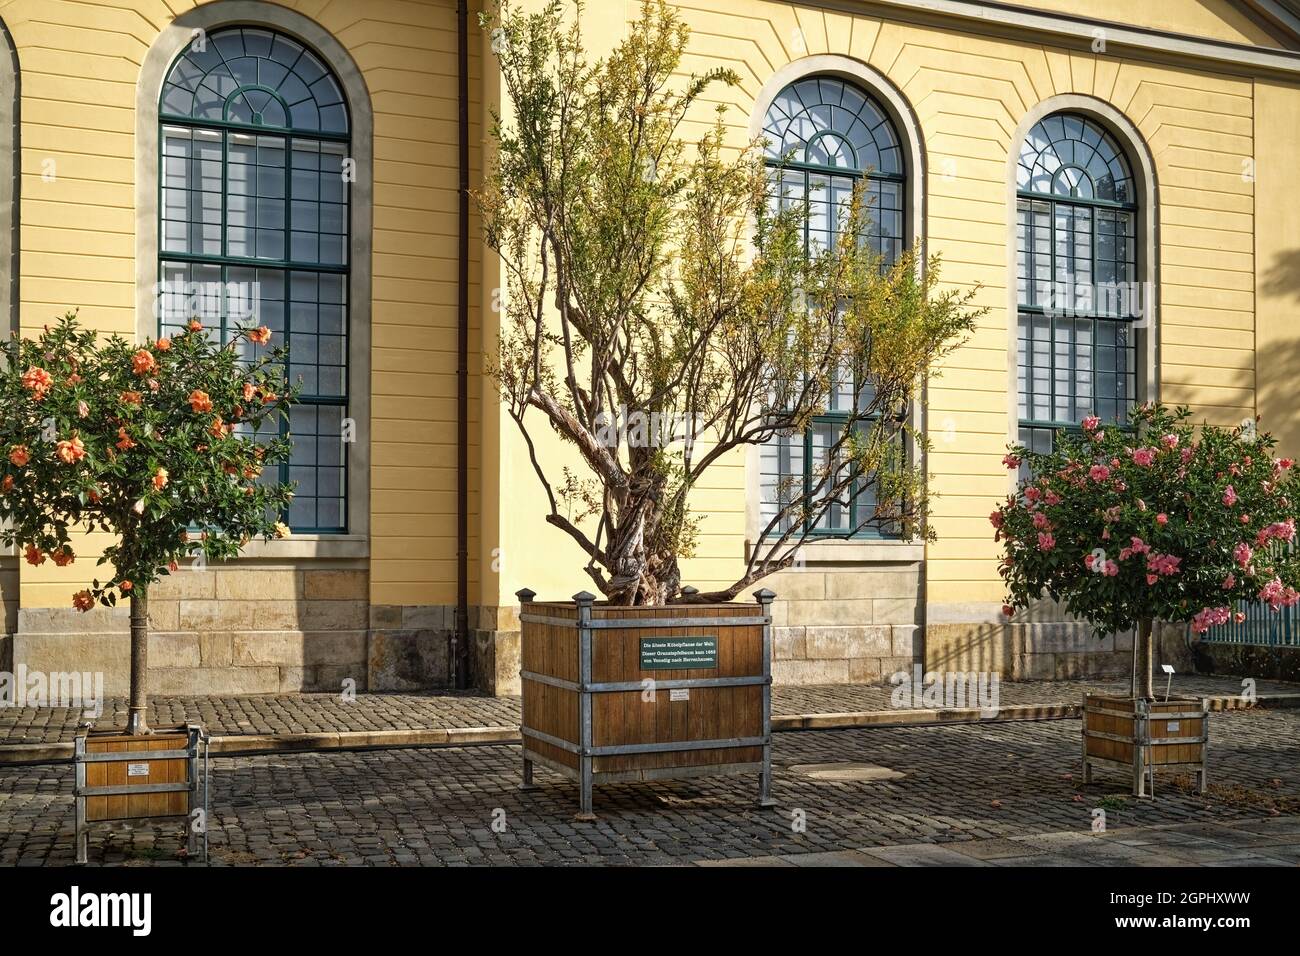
(859, 552)
(297, 546)
(326, 546)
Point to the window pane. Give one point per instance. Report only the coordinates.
(255, 178)
(817, 121)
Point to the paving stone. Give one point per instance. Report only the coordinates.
(970, 795)
(838, 858)
(996, 848)
(748, 861)
(922, 854)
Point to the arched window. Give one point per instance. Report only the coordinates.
(254, 226)
(825, 135)
(1076, 272)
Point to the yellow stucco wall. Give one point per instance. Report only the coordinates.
(1212, 20)
(80, 63)
(969, 93)
(1277, 251)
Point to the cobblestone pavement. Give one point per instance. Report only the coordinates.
(992, 792)
(328, 713)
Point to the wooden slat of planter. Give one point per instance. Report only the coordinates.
(114, 773)
(622, 718)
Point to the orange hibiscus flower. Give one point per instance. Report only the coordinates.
(70, 451)
(124, 441)
(34, 556)
(83, 600)
(143, 363)
(20, 456)
(38, 380)
(260, 335)
(160, 479)
(200, 401)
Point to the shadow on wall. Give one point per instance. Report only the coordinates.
(1277, 361)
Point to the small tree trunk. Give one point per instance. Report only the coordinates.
(137, 718)
(1142, 676)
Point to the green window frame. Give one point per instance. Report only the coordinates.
(254, 228)
(1078, 295)
(824, 136)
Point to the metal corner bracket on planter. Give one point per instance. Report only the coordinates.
(1142, 736)
(614, 694)
(142, 778)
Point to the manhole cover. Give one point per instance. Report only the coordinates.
(844, 772)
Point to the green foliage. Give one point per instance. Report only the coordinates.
(160, 445)
(650, 272)
(1159, 521)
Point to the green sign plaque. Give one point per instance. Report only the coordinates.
(678, 653)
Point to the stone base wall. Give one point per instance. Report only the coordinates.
(249, 630)
(840, 625)
(494, 650)
(9, 600)
(409, 647)
(1037, 651)
(1044, 650)
(1247, 660)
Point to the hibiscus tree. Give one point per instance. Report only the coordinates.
(1158, 521)
(161, 445)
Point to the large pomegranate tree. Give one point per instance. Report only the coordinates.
(162, 445)
(654, 274)
(1157, 521)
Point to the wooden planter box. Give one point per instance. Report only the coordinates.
(591, 713)
(1145, 735)
(139, 778)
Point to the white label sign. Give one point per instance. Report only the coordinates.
(137, 770)
(679, 693)
(1171, 725)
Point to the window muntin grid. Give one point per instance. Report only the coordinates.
(250, 76)
(824, 136)
(254, 196)
(1070, 156)
(1076, 257)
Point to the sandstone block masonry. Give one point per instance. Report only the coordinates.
(249, 630)
(274, 629)
(846, 626)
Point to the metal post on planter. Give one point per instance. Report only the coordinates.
(584, 600)
(79, 748)
(526, 596)
(1141, 740)
(765, 598)
(1205, 743)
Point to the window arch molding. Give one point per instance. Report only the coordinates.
(886, 95)
(903, 118)
(1146, 198)
(171, 42)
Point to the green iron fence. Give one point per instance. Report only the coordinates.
(1263, 626)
